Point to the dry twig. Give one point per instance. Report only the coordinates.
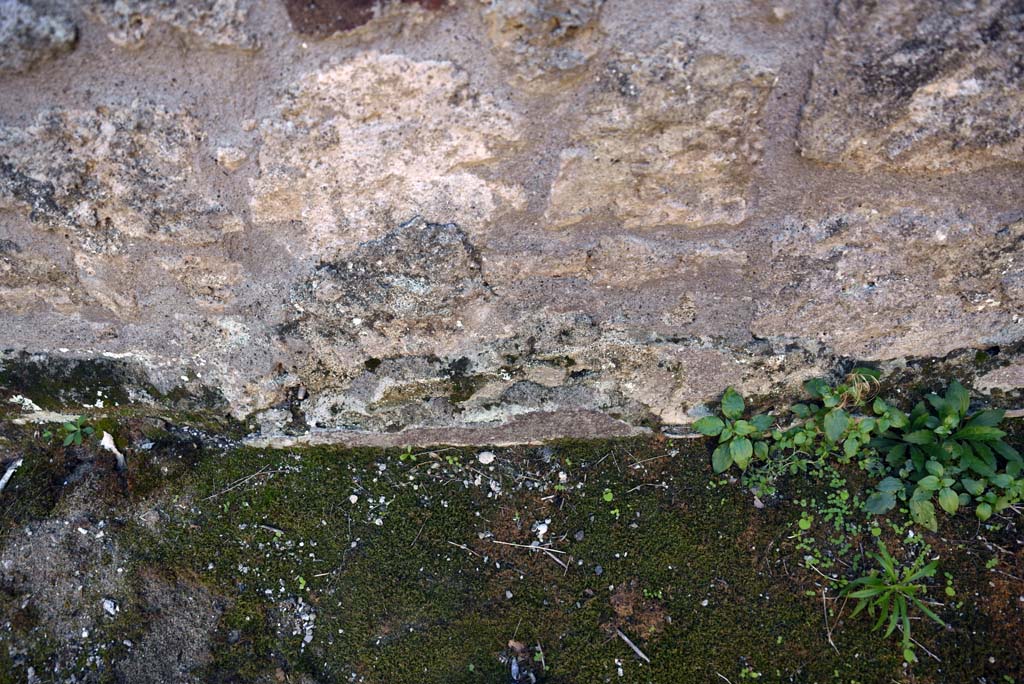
(636, 649)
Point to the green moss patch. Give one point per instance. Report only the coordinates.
(408, 582)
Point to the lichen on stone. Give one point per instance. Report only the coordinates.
(108, 174)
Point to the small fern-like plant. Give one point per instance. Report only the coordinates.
(891, 593)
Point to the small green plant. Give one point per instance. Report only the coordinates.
(820, 428)
(738, 440)
(74, 432)
(824, 426)
(942, 451)
(891, 593)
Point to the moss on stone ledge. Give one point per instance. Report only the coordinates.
(397, 557)
(409, 584)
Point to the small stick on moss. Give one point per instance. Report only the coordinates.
(637, 464)
(465, 548)
(556, 559)
(656, 485)
(241, 481)
(925, 649)
(417, 535)
(636, 649)
(828, 628)
(524, 546)
(723, 677)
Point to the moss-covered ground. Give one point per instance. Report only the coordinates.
(206, 561)
(371, 565)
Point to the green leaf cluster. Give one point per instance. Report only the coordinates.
(939, 456)
(739, 440)
(941, 452)
(819, 428)
(74, 432)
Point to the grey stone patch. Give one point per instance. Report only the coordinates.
(176, 643)
(217, 23)
(415, 272)
(110, 180)
(63, 567)
(110, 173)
(919, 85)
(1006, 379)
(30, 33)
(876, 284)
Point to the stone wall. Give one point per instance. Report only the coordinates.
(531, 216)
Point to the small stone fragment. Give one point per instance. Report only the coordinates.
(544, 41)
(231, 158)
(321, 19)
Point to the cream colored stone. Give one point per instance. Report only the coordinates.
(210, 281)
(669, 138)
(231, 158)
(546, 43)
(379, 139)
